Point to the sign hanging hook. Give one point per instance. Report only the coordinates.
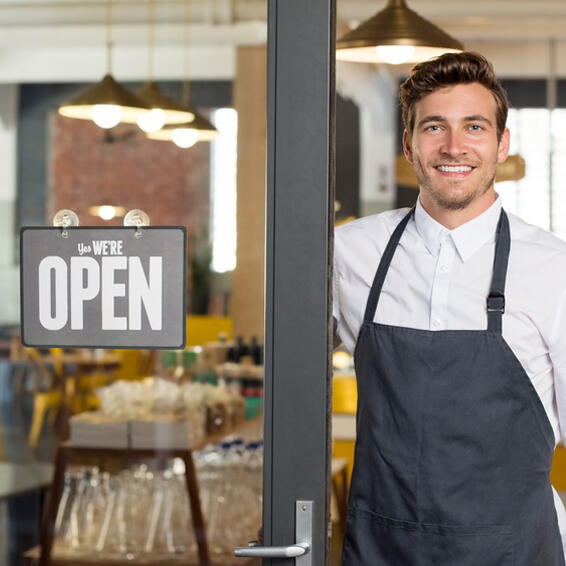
(138, 218)
(65, 218)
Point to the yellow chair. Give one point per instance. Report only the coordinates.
(203, 328)
(344, 403)
(136, 364)
(558, 473)
(44, 402)
(344, 394)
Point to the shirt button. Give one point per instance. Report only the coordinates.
(436, 323)
(444, 268)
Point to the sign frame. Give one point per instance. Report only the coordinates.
(133, 230)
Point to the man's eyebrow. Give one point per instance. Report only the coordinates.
(442, 119)
(478, 118)
(428, 119)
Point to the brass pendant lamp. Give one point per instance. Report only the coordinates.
(107, 102)
(395, 35)
(164, 109)
(186, 135)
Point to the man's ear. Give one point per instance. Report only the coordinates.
(503, 149)
(407, 147)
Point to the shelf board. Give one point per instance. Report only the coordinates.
(31, 558)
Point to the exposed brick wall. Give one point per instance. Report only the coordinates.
(169, 183)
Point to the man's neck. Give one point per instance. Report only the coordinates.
(451, 219)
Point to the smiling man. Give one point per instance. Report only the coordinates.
(456, 315)
(454, 146)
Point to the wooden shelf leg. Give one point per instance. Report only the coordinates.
(48, 524)
(196, 511)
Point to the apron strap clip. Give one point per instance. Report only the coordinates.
(496, 302)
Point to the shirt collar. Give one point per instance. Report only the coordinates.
(467, 238)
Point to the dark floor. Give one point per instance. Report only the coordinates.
(20, 514)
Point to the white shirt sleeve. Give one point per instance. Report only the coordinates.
(557, 352)
(335, 301)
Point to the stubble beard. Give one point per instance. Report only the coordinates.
(445, 200)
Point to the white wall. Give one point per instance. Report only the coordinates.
(373, 89)
(9, 271)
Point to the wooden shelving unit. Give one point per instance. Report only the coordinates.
(67, 453)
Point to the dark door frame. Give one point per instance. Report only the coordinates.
(299, 217)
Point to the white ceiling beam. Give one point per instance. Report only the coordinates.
(76, 12)
(250, 33)
(129, 63)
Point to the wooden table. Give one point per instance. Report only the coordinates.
(20, 478)
(22, 491)
(85, 363)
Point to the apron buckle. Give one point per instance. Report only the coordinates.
(496, 302)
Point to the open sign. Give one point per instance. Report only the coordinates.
(103, 287)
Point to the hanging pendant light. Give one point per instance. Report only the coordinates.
(199, 128)
(164, 109)
(395, 35)
(107, 102)
(186, 135)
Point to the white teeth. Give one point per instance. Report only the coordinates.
(454, 168)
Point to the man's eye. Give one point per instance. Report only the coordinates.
(433, 128)
(475, 127)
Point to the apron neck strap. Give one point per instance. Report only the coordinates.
(381, 272)
(496, 298)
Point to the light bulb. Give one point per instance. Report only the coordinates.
(395, 54)
(106, 115)
(106, 212)
(184, 137)
(152, 121)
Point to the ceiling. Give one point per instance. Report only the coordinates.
(481, 19)
(513, 33)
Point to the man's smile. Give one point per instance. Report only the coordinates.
(456, 170)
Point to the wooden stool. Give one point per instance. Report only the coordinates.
(340, 489)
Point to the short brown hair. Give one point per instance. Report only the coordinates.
(447, 70)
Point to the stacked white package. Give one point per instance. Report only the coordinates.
(168, 432)
(96, 430)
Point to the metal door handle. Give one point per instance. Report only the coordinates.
(272, 551)
(301, 550)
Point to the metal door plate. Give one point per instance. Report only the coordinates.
(303, 530)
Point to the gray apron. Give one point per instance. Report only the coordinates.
(454, 447)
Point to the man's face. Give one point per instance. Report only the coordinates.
(454, 148)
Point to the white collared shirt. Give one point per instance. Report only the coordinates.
(439, 279)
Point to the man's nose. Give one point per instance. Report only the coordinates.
(453, 144)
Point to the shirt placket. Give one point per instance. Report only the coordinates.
(441, 284)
